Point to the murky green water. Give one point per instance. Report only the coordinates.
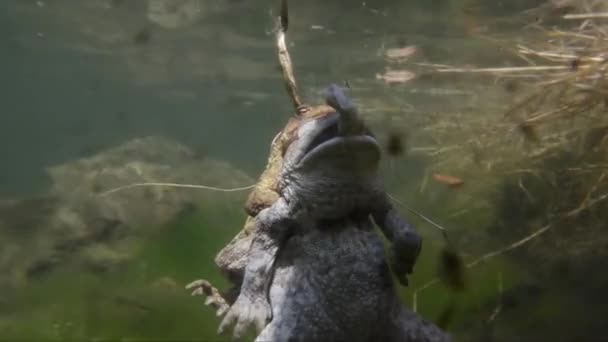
(82, 77)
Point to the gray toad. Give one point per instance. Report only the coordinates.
(329, 174)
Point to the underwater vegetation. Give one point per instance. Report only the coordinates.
(141, 300)
(543, 167)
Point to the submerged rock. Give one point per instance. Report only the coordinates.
(150, 159)
(80, 219)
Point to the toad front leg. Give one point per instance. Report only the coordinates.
(406, 242)
(252, 306)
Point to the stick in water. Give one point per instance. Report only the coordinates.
(212, 188)
(284, 59)
(177, 185)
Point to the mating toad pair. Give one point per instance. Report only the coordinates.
(308, 264)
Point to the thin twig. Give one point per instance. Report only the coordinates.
(177, 185)
(601, 15)
(417, 213)
(557, 55)
(505, 249)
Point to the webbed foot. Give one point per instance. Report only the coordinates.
(244, 312)
(202, 287)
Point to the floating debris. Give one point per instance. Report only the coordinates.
(511, 86)
(142, 37)
(574, 64)
(528, 130)
(400, 54)
(452, 269)
(394, 144)
(396, 76)
(448, 180)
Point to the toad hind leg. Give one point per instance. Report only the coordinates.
(252, 306)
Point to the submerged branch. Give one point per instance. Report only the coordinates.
(505, 249)
(284, 59)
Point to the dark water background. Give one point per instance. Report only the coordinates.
(82, 76)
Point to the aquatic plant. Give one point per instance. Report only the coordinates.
(539, 165)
